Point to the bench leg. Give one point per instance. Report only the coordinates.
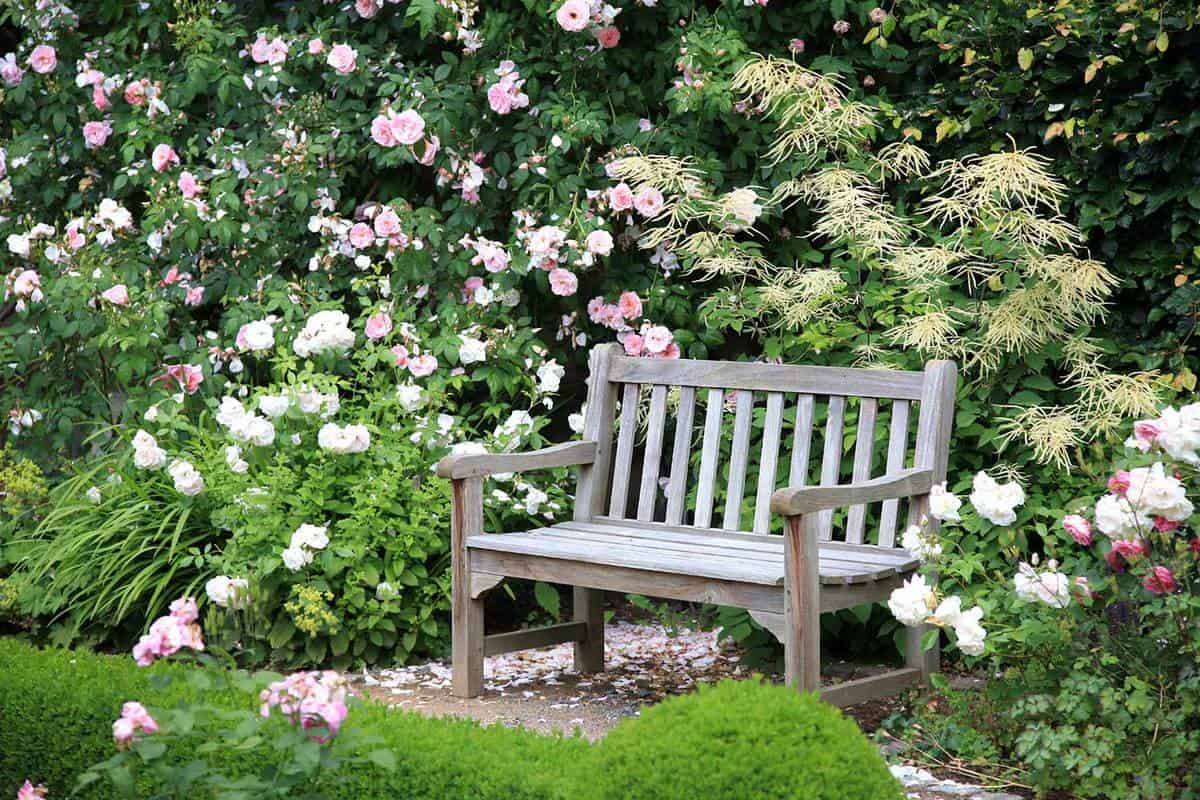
(589, 609)
(466, 614)
(802, 606)
(927, 661)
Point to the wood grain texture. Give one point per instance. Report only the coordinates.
(677, 485)
(897, 451)
(588, 608)
(478, 465)
(768, 462)
(709, 451)
(755, 376)
(863, 689)
(739, 457)
(656, 427)
(623, 463)
(806, 499)
(482, 583)
(831, 459)
(802, 604)
(864, 452)
(592, 488)
(801, 440)
(534, 637)
(466, 612)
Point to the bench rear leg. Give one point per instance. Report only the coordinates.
(928, 661)
(466, 613)
(589, 609)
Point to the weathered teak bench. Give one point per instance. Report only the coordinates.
(673, 550)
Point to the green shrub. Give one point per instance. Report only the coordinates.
(738, 740)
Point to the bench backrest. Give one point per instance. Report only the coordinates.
(760, 427)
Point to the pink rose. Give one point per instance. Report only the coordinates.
(648, 202)
(672, 351)
(630, 305)
(95, 134)
(493, 257)
(164, 157)
(620, 197)
(100, 97)
(43, 59)
(387, 223)
(268, 52)
(657, 338)
(315, 47)
(361, 235)
(796, 46)
(1164, 525)
(185, 610)
(117, 295)
(499, 98)
(344, 59)
(26, 283)
(422, 365)
(381, 132)
(10, 70)
(432, 145)
(135, 92)
(1119, 482)
(194, 296)
(408, 127)
(378, 326)
(366, 8)
(30, 792)
(401, 354)
(122, 731)
(188, 186)
(1160, 580)
(563, 282)
(599, 243)
(634, 344)
(75, 237)
(1079, 528)
(608, 37)
(1146, 431)
(573, 15)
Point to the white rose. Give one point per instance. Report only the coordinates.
(549, 376)
(256, 336)
(910, 604)
(1049, 587)
(187, 480)
(411, 396)
(295, 558)
(146, 452)
(468, 449)
(1117, 519)
(314, 537)
(93, 494)
(385, 591)
(18, 245)
(259, 431)
(324, 332)
(943, 505)
(230, 413)
(274, 406)
(228, 592)
(471, 350)
(1155, 493)
(575, 422)
(339, 440)
(969, 633)
(233, 459)
(920, 543)
(743, 206)
(994, 501)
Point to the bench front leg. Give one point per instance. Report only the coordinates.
(802, 606)
(466, 613)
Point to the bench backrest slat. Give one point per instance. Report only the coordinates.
(664, 466)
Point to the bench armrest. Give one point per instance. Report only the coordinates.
(807, 499)
(477, 465)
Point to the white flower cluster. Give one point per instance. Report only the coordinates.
(1150, 495)
(244, 426)
(342, 440)
(228, 592)
(915, 603)
(305, 541)
(471, 350)
(310, 401)
(1176, 432)
(324, 332)
(187, 479)
(1048, 586)
(922, 543)
(943, 505)
(995, 501)
(146, 452)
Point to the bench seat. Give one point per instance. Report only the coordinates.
(707, 553)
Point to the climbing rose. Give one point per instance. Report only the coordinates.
(630, 305)
(188, 186)
(573, 15)
(343, 58)
(657, 338)
(164, 157)
(379, 325)
(95, 134)
(621, 197)
(648, 202)
(117, 295)
(1160, 580)
(599, 243)
(608, 37)
(43, 59)
(1079, 528)
(563, 282)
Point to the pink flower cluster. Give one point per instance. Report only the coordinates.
(615, 315)
(648, 201)
(310, 700)
(578, 15)
(652, 341)
(649, 341)
(390, 129)
(505, 95)
(491, 255)
(134, 717)
(170, 634)
(264, 51)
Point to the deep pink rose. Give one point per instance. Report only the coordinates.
(43, 59)
(608, 37)
(135, 92)
(1119, 482)
(1160, 580)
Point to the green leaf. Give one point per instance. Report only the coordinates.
(384, 759)
(425, 13)
(150, 749)
(1025, 58)
(547, 597)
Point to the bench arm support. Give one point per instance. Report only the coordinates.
(798, 500)
(478, 465)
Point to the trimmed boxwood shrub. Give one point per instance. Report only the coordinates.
(737, 740)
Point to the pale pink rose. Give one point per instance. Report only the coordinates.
(401, 354)
(344, 59)
(135, 92)
(620, 197)
(315, 47)
(500, 98)
(630, 305)
(387, 223)
(75, 237)
(30, 792)
(595, 308)
(100, 97)
(1147, 431)
(671, 351)
(422, 365)
(10, 70)
(611, 317)
(1079, 528)
(432, 145)
(381, 132)
(470, 285)
(633, 344)
(43, 59)
(194, 296)
(408, 127)
(95, 134)
(563, 282)
(188, 186)
(366, 8)
(648, 202)
(164, 157)
(657, 338)
(122, 731)
(608, 37)
(260, 50)
(117, 295)
(573, 15)
(378, 326)
(137, 714)
(172, 277)
(361, 235)
(185, 610)
(599, 243)
(26, 283)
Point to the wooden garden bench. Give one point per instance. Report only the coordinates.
(623, 537)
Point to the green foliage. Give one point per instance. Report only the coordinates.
(738, 740)
(23, 490)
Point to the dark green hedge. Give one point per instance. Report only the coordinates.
(733, 741)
